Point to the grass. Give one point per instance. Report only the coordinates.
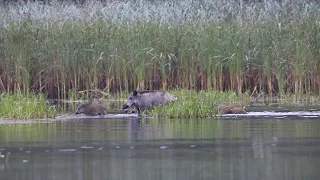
(270, 46)
(192, 104)
(19, 106)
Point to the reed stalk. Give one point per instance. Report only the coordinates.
(120, 47)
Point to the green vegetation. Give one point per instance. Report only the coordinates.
(270, 47)
(19, 106)
(192, 104)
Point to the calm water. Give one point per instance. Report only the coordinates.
(83, 149)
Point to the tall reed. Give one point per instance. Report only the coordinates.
(192, 45)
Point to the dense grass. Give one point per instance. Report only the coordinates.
(192, 104)
(270, 47)
(19, 106)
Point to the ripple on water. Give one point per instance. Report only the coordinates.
(87, 147)
(309, 116)
(280, 117)
(274, 114)
(108, 116)
(67, 150)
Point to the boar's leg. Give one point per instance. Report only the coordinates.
(139, 112)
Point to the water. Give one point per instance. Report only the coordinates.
(129, 148)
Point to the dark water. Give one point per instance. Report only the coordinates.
(237, 148)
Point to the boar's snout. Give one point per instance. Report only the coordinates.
(125, 106)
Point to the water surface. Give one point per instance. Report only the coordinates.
(129, 148)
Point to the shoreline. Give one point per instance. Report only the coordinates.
(26, 121)
(254, 114)
(66, 117)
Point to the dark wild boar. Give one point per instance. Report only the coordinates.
(94, 108)
(147, 99)
(131, 110)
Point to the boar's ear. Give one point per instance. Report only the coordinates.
(134, 92)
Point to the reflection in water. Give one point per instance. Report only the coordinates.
(161, 149)
(258, 147)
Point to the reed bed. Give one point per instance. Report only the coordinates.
(19, 106)
(201, 104)
(60, 48)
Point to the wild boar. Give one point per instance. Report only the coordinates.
(237, 110)
(131, 110)
(147, 99)
(224, 109)
(93, 108)
(231, 110)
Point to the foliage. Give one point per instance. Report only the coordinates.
(192, 104)
(224, 45)
(19, 106)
